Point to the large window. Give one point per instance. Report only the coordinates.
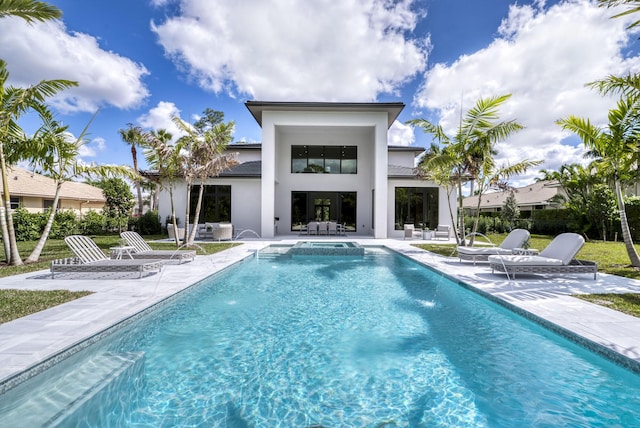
(324, 159)
(216, 203)
(323, 206)
(417, 206)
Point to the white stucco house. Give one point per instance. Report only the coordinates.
(320, 161)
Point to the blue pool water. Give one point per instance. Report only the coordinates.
(378, 341)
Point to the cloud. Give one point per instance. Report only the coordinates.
(283, 50)
(45, 51)
(161, 117)
(544, 58)
(400, 134)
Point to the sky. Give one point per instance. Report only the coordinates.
(142, 62)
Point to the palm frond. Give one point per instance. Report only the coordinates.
(29, 10)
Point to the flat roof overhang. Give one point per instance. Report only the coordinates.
(257, 107)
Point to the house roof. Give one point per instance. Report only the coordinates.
(539, 193)
(397, 171)
(26, 183)
(257, 107)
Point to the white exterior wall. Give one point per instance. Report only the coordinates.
(402, 158)
(281, 129)
(444, 216)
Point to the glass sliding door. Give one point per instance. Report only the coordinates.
(323, 206)
(417, 206)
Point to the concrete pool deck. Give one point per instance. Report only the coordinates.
(28, 341)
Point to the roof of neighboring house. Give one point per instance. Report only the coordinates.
(257, 107)
(539, 193)
(26, 183)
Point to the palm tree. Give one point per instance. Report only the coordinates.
(615, 149)
(132, 135)
(205, 144)
(165, 137)
(29, 10)
(57, 155)
(634, 6)
(14, 102)
(166, 159)
(472, 148)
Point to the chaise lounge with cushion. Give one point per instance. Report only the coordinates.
(515, 239)
(142, 250)
(90, 258)
(557, 258)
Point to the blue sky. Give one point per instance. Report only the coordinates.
(143, 61)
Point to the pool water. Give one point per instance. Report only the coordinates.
(378, 341)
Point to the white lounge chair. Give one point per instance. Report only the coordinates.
(142, 250)
(442, 231)
(557, 258)
(90, 258)
(515, 239)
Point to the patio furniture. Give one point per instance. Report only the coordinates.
(224, 232)
(556, 258)
(322, 228)
(332, 228)
(410, 232)
(90, 258)
(312, 228)
(442, 231)
(142, 250)
(515, 239)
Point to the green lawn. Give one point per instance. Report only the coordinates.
(15, 304)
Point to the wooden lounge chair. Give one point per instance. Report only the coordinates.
(515, 239)
(142, 250)
(556, 258)
(90, 258)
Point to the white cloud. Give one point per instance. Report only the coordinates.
(161, 117)
(544, 58)
(283, 50)
(400, 134)
(47, 51)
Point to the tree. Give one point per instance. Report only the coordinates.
(29, 10)
(119, 200)
(615, 150)
(205, 142)
(510, 210)
(56, 153)
(473, 148)
(634, 6)
(14, 102)
(132, 135)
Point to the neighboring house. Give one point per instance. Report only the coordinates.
(35, 193)
(319, 161)
(542, 195)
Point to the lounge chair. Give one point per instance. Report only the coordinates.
(515, 239)
(90, 258)
(142, 250)
(557, 258)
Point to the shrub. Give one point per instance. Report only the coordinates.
(28, 226)
(92, 223)
(149, 223)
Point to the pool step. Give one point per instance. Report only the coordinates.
(273, 252)
(77, 397)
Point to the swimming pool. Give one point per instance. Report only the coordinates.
(359, 342)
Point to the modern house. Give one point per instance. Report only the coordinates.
(325, 162)
(541, 195)
(35, 193)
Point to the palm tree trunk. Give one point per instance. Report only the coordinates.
(35, 254)
(624, 224)
(453, 220)
(196, 216)
(134, 155)
(5, 234)
(463, 236)
(13, 257)
(174, 223)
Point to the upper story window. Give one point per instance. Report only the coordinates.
(15, 202)
(324, 159)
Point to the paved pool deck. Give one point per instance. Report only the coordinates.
(27, 342)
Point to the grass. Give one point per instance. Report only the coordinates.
(611, 258)
(18, 303)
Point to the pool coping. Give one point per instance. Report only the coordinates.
(31, 344)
